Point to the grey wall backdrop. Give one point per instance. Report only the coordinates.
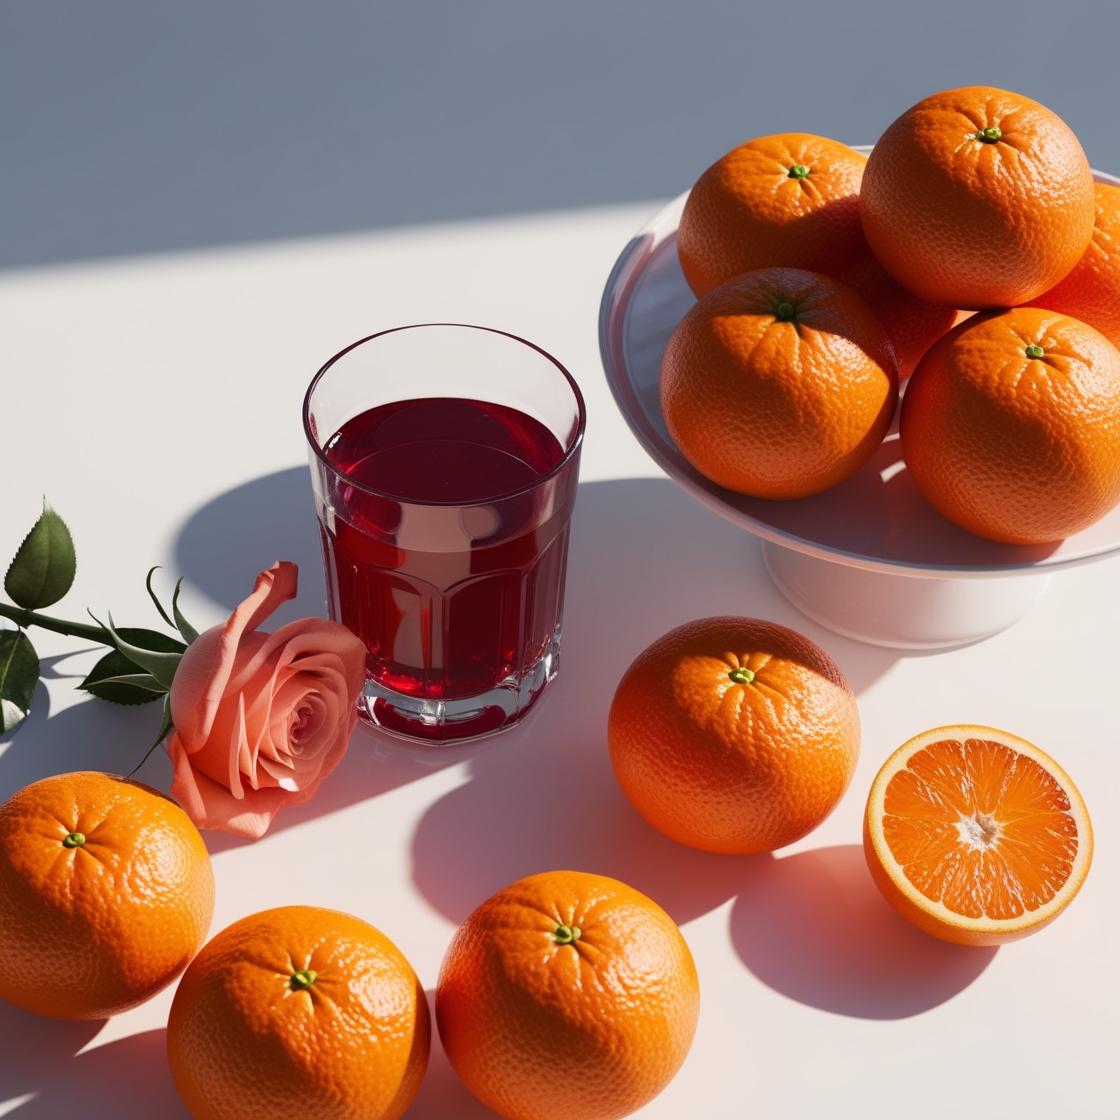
(130, 126)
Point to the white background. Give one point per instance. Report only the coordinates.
(156, 403)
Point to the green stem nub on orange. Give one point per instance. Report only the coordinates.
(741, 676)
(565, 935)
(798, 171)
(73, 840)
(1034, 351)
(303, 979)
(990, 134)
(784, 312)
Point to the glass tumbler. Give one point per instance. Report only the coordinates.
(444, 461)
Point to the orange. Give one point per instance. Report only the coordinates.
(779, 384)
(1011, 425)
(734, 735)
(298, 1012)
(567, 995)
(977, 198)
(1091, 292)
(912, 324)
(975, 835)
(106, 892)
(789, 199)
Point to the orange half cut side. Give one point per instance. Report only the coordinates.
(975, 835)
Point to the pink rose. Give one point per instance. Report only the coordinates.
(261, 719)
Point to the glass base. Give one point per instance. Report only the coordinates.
(438, 722)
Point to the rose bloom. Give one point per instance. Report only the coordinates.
(261, 719)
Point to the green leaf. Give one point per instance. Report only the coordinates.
(114, 677)
(155, 598)
(161, 665)
(43, 570)
(164, 730)
(19, 673)
(185, 628)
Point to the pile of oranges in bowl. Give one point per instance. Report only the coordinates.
(971, 259)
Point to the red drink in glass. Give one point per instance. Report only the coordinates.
(444, 521)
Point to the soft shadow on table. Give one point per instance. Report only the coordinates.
(90, 734)
(225, 542)
(644, 558)
(94, 1084)
(35, 1049)
(814, 927)
(442, 1094)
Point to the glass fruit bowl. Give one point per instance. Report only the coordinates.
(870, 559)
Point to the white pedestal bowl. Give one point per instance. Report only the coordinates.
(870, 558)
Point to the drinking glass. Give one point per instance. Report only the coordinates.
(444, 461)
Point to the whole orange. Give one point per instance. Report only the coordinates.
(734, 735)
(298, 1012)
(567, 995)
(779, 384)
(789, 199)
(913, 325)
(1091, 292)
(106, 892)
(977, 197)
(1011, 425)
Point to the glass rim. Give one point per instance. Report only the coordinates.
(565, 459)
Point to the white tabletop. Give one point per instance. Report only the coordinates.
(155, 401)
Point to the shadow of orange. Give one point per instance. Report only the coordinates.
(442, 1094)
(125, 1077)
(814, 927)
(36, 1048)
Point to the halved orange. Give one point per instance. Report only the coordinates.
(975, 835)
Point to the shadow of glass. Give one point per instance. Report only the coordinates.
(35, 1049)
(814, 927)
(644, 557)
(543, 796)
(94, 1084)
(225, 542)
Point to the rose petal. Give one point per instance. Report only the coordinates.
(203, 674)
(210, 805)
(262, 719)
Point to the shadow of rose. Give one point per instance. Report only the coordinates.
(814, 927)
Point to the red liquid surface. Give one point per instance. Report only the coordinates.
(454, 598)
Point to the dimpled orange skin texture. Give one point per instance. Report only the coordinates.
(913, 325)
(1091, 292)
(243, 1044)
(726, 766)
(1012, 448)
(591, 1029)
(779, 409)
(91, 930)
(972, 224)
(746, 212)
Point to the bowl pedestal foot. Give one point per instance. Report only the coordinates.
(900, 611)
